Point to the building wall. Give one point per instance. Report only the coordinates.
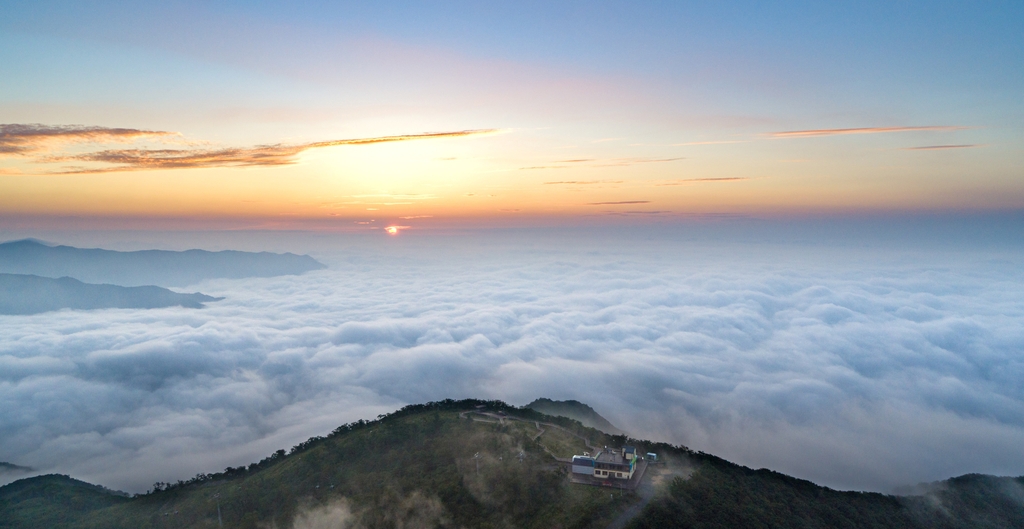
(583, 469)
(613, 474)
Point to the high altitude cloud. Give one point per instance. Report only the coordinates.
(23, 139)
(939, 147)
(594, 162)
(687, 181)
(720, 142)
(863, 130)
(853, 368)
(34, 139)
(584, 182)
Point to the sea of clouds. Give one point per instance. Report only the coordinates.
(854, 365)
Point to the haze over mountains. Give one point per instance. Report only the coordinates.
(29, 294)
(147, 267)
(36, 277)
(11, 468)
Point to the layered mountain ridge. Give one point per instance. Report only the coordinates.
(29, 294)
(38, 277)
(146, 267)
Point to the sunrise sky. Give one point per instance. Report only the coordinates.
(240, 115)
(786, 233)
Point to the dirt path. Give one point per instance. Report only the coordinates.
(502, 418)
(646, 493)
(660, 475)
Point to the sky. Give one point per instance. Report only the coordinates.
(788, 234)
(243, 114)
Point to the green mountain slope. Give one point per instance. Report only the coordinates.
(52, 501)
(720, 495)
(486, 464)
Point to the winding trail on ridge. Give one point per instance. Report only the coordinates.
(501, 420)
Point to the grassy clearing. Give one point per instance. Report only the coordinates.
(562, 444)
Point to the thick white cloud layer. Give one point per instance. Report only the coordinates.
(853, 368)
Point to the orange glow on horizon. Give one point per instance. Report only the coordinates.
(521, 177)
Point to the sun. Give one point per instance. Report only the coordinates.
(393, 230)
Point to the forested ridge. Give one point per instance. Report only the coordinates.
(442, 464)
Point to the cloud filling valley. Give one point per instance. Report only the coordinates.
(859, 368)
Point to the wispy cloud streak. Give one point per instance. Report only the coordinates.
(862, 130)
(22, 139)
(583, 182)
(403, 137)
(147, 159)
(696, 180)
(940, 147)
(35, 140)
(721, 142)
(259, 156)
(592, 162)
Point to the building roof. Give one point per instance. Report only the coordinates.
(613, 458)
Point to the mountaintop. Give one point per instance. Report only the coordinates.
(486, 464)
(575, 410)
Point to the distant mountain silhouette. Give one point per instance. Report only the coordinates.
(575, 410)
(27, 294)
(147, 267)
